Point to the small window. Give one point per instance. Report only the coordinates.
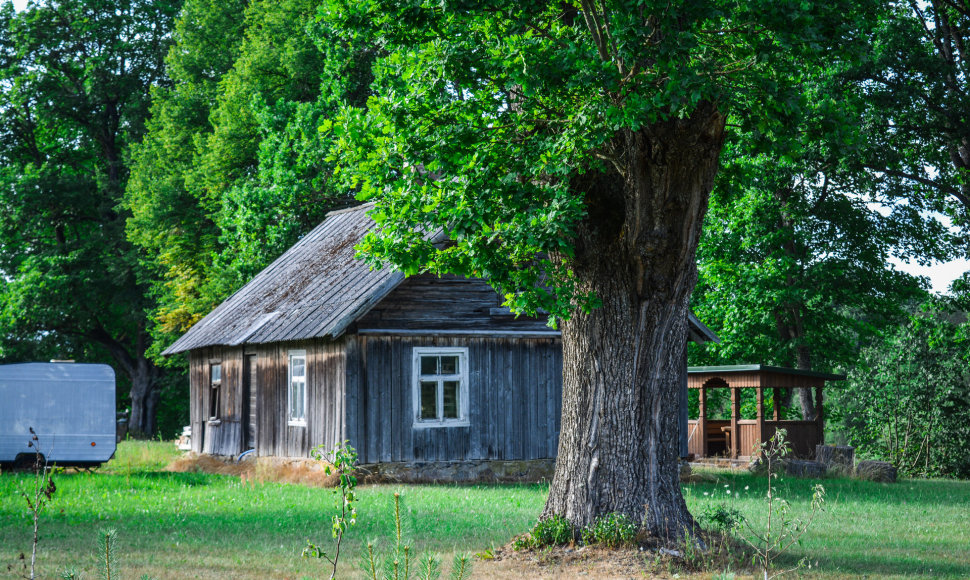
(440, 387)
(215, 388)
(296, 388)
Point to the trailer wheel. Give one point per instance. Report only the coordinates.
(27, 461)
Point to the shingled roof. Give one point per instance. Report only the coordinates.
(316, 289)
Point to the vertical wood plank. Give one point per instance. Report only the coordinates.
(735, 416)
(702, 420)
(820, 418)
(760, 394)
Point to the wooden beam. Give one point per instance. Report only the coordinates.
(776, 402)
(761, 417)
(735, 416)
(702, 420)
(820, 416)
(453, 332)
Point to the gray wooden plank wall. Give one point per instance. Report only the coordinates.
(449, 302)
(515, 398)
(326, 383)
(224, 438)
(326, 376)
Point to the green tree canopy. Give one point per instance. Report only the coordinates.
(74, 84)
(567, 151)
(233, 169)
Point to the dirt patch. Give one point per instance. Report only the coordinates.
(257, 470)
(647, 559)
(573, 562)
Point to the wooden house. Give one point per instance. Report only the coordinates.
(318, 349)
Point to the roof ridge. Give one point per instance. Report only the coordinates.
(360, 207)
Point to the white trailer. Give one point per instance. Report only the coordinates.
(71, 408)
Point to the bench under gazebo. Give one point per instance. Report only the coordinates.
(736, 437)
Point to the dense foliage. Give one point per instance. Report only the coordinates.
(907, 399)
(233, 169)
(74, 84)
(796, 261)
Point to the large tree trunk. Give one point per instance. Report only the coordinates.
(805, 396)
(144, 397)
(144, 376)
(618, 447)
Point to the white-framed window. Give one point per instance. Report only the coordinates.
(296, 388)
(215, 388)
(440, 386)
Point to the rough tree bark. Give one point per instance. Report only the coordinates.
(618, 448)
(144, 376)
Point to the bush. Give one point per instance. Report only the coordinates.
(552, 531)
(908, 399)
(721, 518)
(611, 530)
(555, 530)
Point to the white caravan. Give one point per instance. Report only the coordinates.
(71, 408)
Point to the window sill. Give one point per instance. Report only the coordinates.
(296, 423)
(214, 422)
(439, 424)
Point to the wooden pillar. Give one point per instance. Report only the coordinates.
(776, 402)
(820, 416)
(702, 419)
(735, 416)
(682, 415)
(760, 393)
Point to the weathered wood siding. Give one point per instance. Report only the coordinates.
(428, 302)
(515, 397)
(325, 383)
(225, 436)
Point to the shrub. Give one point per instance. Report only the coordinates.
(908, 399)
(552, 531)
(721, 518)
(611, 530)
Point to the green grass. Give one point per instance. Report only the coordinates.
(192, 525)
(913, 528)
(188, 525)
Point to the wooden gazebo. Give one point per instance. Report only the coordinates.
(736, 437)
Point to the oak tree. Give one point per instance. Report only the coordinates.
(567, 150)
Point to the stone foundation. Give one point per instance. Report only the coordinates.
(459, 472)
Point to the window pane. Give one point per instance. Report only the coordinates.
(289, 400)
(451, 400)
(216, 371)
(449, 365)
(429, 365)
(300, 399)
(298, 366)
(429, 400)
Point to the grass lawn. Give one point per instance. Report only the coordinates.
(192, 525)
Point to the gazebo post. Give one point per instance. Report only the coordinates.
(761, 415)
(702, 418)
(776, 402)
(735, 415)
(820, 416)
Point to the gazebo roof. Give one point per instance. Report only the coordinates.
(754, 376)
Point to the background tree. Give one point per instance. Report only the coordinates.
(907, 400)
(567, 150)
(233, 169)
(918, 78)
(74, 84)
(795, 259)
